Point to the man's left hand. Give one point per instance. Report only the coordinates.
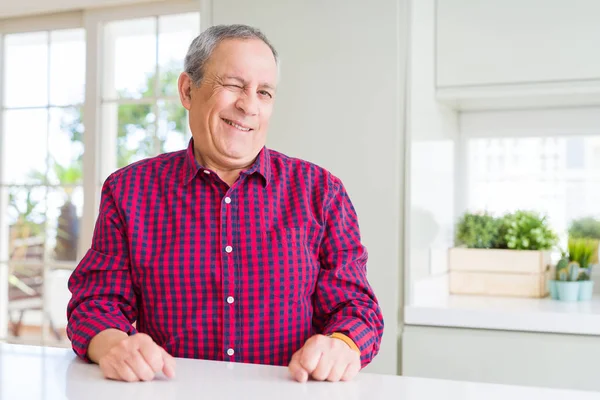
(325, 358)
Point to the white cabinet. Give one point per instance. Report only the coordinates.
(504, 357)
(517, 53)
(517, 41)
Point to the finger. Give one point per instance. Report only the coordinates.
(168, 364)
(153, 355)
(108, 370)
(337, 370)
(309, 359)
(125, 373)
(323, 369)
(351, 371)
(296, 370)
(139, 366)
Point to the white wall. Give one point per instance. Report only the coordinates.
(340, 105)
(518, 358)
(513, 41)
(433, 133)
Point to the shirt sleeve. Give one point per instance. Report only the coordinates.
(102, 295)
(344, 301)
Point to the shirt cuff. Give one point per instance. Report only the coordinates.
(345, 339)
(82, 332)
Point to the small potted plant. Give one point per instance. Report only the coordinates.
(581, 251)
(573, 272)
(566, 285)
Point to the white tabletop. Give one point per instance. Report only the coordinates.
(28, 372)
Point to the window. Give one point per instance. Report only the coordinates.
(558, 176)
(41, 178)
(141, 112)
(48, 162)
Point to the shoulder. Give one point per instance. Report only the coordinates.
(150, 170)
(286, 167)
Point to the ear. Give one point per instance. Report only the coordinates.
(185, 84)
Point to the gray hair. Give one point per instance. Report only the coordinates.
(204, 44)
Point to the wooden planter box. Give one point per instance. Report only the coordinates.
(495, 272)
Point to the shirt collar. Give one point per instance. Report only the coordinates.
(261, 166)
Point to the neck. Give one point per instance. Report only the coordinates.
(228, 174)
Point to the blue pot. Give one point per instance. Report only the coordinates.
(586, 289)
(568, 291)
(553, 289)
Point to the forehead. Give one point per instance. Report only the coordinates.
(250, 59)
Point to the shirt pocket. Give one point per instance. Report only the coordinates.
(294, 267)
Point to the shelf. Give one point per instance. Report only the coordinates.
(432, 306)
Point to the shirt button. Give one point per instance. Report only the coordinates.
(230, 299)
(227, 200)
(230, 352)
(207, 172)
(228, 249)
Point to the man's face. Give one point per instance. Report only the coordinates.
(231, 108)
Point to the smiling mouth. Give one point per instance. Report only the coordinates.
(237, 126)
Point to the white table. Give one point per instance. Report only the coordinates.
(28, 372)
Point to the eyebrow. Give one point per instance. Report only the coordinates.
(241, 80)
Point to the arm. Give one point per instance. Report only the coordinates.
(101, 287)
(344, 301)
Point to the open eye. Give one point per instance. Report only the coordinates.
(265, 93)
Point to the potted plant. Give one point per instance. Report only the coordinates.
(566, 286)
(507, 256)
(581, 252)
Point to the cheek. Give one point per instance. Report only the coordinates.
(265, 116)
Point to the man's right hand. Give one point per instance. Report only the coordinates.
(130, 358)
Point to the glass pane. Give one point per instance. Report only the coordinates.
(176, 32)
(129, 58)
(133, 126)
(172, 126)
(25, 215)
(65, 142)
(25, 293)
(26, 70)
(67, 67)
(65, 206)
(58, 299)
(25, 152)
(558, 176)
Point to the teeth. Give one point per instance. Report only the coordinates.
(241, 128)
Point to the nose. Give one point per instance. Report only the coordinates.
(248, 103)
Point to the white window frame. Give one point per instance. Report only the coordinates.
(97, 146)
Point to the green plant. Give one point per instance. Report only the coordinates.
(478, 231)
(527, 230)
(584, 228)
(582, 251)
(567, 271)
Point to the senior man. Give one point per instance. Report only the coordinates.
(227, 250)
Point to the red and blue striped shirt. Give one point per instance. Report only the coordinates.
(245, 273)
